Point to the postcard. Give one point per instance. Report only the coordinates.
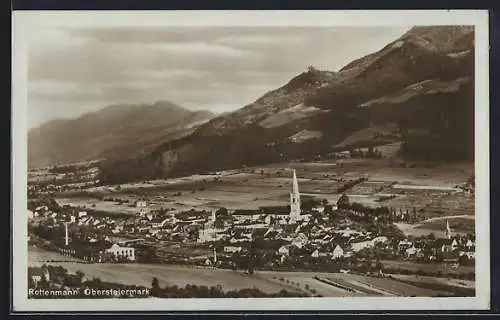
(250, 160)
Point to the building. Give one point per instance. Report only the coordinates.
(82, 214)
(284, 250)
(127, 253)
(300, 241)
(210, 232)
(143, 207)
(448, 230)
(338, 252)
(231, 249)
(295, 200)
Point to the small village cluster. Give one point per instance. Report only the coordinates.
(311, 235)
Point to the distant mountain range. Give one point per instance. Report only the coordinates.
(418, 89)
(114, 132)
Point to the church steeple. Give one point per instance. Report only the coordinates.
(448, 230)
(294, 199)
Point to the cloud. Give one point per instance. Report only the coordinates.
(76, 70)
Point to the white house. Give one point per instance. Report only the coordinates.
(141, 204)
(300, 240)
(411, 251)
(358, 246)
(470, 244)
(284, 250)
(404, 244)
(126, 252)
(231, 249)
(315, 254)
(380, 239)
(338, 252)
(82, 214)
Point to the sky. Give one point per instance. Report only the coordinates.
(76, 70)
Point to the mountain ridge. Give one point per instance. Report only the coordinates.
(333, 106)
(111, 132)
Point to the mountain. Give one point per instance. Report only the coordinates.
(418, 89)
(114, 132)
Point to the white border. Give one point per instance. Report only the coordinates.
(24, 22)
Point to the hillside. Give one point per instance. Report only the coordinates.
(114, 132)
(418, 89)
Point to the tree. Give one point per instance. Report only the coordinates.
(43, 283)
(80, 274)
(324, 202)
(219, 223)
(31, 283)
(155, 288)
(343, 201)
(251, 258)
(222, 213)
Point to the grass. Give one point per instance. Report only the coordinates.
(457, 224)
(243, 190)
(425, 267)
(436, 286)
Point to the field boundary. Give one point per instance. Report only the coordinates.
(334, 284)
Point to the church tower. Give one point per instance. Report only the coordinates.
(448, 230)
(294, 199)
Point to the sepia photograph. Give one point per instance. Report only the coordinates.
(283, 160)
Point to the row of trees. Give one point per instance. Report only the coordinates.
(371, 153)
(383, 213)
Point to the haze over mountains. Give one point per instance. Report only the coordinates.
(418, 89)
(116, 131)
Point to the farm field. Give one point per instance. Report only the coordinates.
(447, 281)
(457, 224)
(460, 224)
(267, 281)
(429, 189)
(426, 267)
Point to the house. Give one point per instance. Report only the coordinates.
(284, 250)
(338, 252)
(117, 251)
(232, 249)
(380, 240)
(238, 239)
(82, 214)
(315, 254)
(268, 219)
(412, 251)
(30, 214)
(404, 244)
(300, 241)
(358, 246)
(470, 245)
(271, 234)
(141, 204)
(444, 245)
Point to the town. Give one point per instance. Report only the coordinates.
(309, 234)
